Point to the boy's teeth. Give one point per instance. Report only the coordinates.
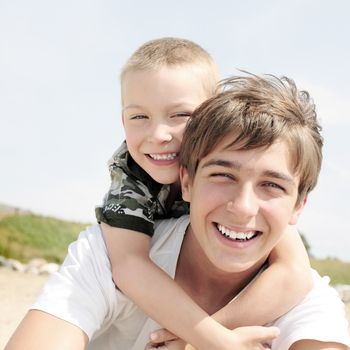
(168, 156)
(242, 236)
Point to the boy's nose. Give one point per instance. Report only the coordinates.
(243, 203)
(160, 133)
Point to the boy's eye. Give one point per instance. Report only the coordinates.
(181, 115)
(138, 116)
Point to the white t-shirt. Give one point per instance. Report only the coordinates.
(83, 293)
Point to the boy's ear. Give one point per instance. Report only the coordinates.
(297, 211)
(185, 184)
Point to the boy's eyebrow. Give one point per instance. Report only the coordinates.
(183, 105)
(237, 165)
(131, 106)
(175, 105)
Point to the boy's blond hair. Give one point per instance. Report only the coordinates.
(174, 52)
(258, 111)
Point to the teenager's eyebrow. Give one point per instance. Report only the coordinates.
(278, 175)
(223, 163)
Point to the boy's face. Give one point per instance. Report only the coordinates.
(241, 202)
(156, 107)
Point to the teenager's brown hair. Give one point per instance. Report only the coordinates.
(258, 111)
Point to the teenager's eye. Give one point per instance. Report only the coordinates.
(274, 186)
(222, 176)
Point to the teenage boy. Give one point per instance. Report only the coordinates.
(249, 158)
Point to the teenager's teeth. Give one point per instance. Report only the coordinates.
(236, 235)
(168, 156)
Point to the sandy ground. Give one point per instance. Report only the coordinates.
(17, 292)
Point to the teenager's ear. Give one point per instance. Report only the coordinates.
(185, 184)
(297, 211)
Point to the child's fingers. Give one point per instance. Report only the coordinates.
(256, 337)
(153, 346)
(176, 344)
(162, 336)
(267, 334)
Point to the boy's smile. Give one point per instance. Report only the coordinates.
(156, 106)
(241, 203)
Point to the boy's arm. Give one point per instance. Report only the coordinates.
(278, 288)
(317, 345)
(243, 338)
(156, 293)
(41, 331)
(300, 345)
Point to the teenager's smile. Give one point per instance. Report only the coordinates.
(241, 237)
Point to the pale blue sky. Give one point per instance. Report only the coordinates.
(59, 91)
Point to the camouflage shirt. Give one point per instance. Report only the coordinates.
(135, 200)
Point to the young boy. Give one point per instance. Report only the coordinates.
(161, 85)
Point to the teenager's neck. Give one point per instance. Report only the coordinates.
(210, 287)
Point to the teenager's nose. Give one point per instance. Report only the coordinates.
(160, 133)
(243, 203)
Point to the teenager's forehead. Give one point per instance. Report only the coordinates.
(228, 144)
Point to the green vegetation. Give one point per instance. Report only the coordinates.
(28, 236)
(338, 271)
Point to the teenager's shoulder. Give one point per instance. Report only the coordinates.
(89, 248)
(166, 229)
(320, 316)
(91, 233)
(82, 292)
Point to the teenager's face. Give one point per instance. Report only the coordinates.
(156, 107)
(241, 202)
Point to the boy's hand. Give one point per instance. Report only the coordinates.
(161, 336)
(176, 344)
(162, 339)
(253, 338)
(243, 338)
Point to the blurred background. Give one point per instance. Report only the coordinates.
(60, 103)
